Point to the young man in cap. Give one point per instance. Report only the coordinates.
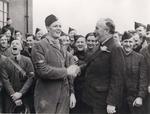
(135, 78)
(17, 75)
(54, 72)
(103, 73)
(141, 31)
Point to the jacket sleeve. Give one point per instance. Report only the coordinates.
(143, 80)
(70, 61)
(44, 70)
(30, 77)
(5, 79)
(117, 63)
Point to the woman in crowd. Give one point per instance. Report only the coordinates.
(80, 54)
(4, 46)
(7, 32)
(38, 34)
(64, 40)
(91, 43)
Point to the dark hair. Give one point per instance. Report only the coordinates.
(63, 34)
(29, 35)
(126, 35)
(90, 34)
(5, 30)
(16, 31)
(37, 30)
(76, 37)
(2, 35)
(110, 24)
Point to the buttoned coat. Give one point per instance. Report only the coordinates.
(53, 85)
(103, 76)
(135, 80)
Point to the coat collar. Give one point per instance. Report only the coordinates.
(53, 42)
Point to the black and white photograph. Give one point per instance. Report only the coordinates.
(75, 56)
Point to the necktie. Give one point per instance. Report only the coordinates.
(16, 60)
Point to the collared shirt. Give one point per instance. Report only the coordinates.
(106, 40)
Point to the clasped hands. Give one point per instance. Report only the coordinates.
(73, 70)
(16, 97)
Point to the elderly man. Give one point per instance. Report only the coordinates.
(17, 75)
(54, 73)
(103, 71)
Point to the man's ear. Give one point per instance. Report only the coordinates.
(47, 28)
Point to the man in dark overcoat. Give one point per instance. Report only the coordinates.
(54, 75)
(103, 73)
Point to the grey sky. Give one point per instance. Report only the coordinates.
(83, 14)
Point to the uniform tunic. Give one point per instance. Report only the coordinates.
(14, 81)
(53, 85)
(135, 82)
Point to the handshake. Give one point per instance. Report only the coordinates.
(73, 70)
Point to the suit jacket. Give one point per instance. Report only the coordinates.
(52, 87)
(103, 76)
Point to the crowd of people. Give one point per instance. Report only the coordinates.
(104, 72)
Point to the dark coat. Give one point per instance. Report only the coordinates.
(146, 53)
(52, 87)
(135, 80)
(26, 52)
(2, 59)
(103, 76)
(14, 81)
